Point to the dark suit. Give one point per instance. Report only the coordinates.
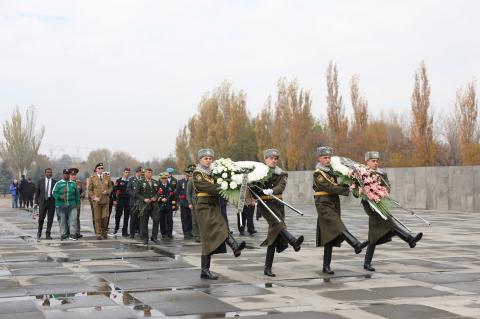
(166, 208)
(45, 204)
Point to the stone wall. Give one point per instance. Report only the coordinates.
(443, 188)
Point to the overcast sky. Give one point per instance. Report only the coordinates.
(127, 75)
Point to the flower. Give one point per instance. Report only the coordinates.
(219, 180)
(224, 185)
(233, 185)
(225, 175)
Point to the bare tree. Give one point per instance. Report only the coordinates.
(21, 141)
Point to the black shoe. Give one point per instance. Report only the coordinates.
(413, 242)
(132, 236)
(124, 234)
(368, 258)
(170, 236)
(294, 242)
(236, 247)
(327, 259)
(268, 272)
(48, 237)
(360, 246)
(205, 272)
(145, 241)
(253, 232)
(242, 233)
(154, 241)
(269, 261)
(164, 236)
(327, 270)
(354, 242)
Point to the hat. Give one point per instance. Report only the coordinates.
(138, 169)
(99, 164)
(371, 155)
(66, 171)
(205, 152)
(164, 175)
(271, 152)
(190, 168)
(73, 171)
(170, 170)
(126, 169)
(324, 151)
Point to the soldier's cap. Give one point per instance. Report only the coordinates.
(164, 175)
(73, 171)
(190, 168)
(372, 155)
(66, 171)
(324, 151)
(98, 165)
(270, 153)
(126, 169)
(205, 152)
(170, 170)
(138, 169)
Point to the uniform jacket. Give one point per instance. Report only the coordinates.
(101, 189)
(181, 192)
(120, 189)
(168, 192)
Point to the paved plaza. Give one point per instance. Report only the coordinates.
(120, 278)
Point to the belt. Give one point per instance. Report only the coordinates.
(204, 195)
(182, 197)
(322, 193)
(267, 197)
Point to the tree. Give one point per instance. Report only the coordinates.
(6, 177)
(263, 128)
(360, 119)
(182, 153)
(101, 155)
(337, 121)
(466, 113)
(422, 119)
(21, 141)
(449, 132)
(121, 160)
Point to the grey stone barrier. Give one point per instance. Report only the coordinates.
(455, 188)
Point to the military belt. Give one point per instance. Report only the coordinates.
(204, 195)
(268, 197)
(322, 193)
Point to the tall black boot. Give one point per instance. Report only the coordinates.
(406, 236)
(236, 247)
(269, 261)
(295, 242)
(354, 242)
(205, 272)
(367, 265)
(39, 232)
(327, 259)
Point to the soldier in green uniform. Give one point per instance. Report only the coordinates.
(132, 187)
(213, 229)
(381, 231)
(147, 195)
(330, 228)
(278, 236)
(191, 204)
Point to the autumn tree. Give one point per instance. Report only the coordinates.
(337, 120)
(182, 154)
(101, 155)
(263, 128)
(466, 113)
(21, 141)
(422, 119)
(358, 142)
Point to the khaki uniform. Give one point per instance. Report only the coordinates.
(212, 226)
(101, 189)
(329, 223)
(277, 183)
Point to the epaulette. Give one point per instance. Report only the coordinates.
(279, 171)
(320, 167)
(201, 175)
(381, 171)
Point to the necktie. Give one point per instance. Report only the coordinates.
(48, 188)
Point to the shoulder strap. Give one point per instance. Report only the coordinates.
(327, 177)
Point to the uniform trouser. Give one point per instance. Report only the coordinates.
(66, 216)
(223, 210)
(100, 212)
(153, 212)
(166, 222)
(247, 219)
(123, 207)
(134, 222)
(79, 207)
(47, 209)
(186, 216)
(195, 231)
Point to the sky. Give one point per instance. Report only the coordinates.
(127, 75)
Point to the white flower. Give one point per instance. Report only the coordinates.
(219, 181)
(225, 175)
(233, 185)
(224, 185)
(237, 178)
(338, 166)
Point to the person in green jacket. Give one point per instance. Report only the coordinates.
(67, 198)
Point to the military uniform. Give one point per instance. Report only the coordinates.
(381, 231)
(191, 198)
(330, 228)
(185, 211)
(278, 237)
(121, 196)
(99, 189)
(132, 186)
(148, 190)
(213, 229)
(167, 203)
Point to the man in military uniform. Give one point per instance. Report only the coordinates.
(99, 189)
(381, 231)
(147, 194)
(278, 236)
(330, 228)
(132, 186)
(121, 200)
(167, 203)
(213, 229)
(191, 198)
(185, 211)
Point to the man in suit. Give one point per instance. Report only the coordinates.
(99, 189)
(45, 202)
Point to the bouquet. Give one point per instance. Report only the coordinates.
(229, 175)
(364, 183)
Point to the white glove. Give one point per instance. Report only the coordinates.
(268, 191)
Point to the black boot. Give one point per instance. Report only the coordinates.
(327, 259)
(406, 236)
(269, 261)
(296, 243)
(367, 265)
(205, 272)
(236, 247)
(39, 234)
(354, 242)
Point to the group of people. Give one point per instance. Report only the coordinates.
(330, 232)
(22, 192)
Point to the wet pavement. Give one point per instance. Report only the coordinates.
(121, 278)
